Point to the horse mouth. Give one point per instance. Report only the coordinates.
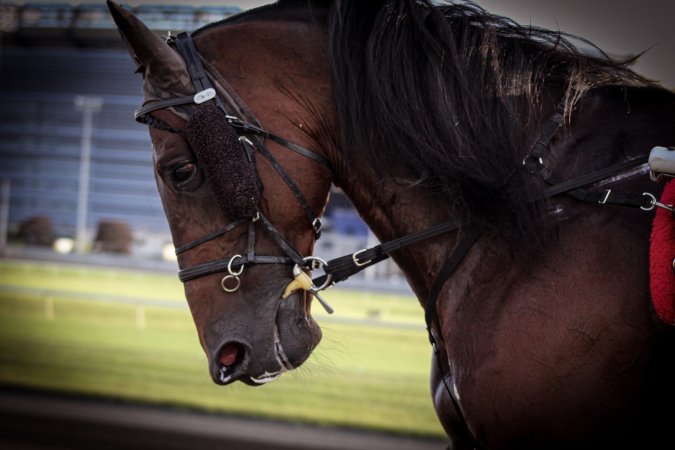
(231, 364)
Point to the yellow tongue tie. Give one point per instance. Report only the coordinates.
(301, 281)
(304, 282)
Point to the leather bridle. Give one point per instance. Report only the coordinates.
(251, 137)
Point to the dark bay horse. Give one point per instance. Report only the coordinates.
(424, 114)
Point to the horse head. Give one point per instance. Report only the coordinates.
(235, 201)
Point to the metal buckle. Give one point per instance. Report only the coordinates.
(356, 261)
(316, 225)
(533, 162)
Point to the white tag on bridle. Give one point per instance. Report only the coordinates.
(205, 95)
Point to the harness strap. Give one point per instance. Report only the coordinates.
(141, 114)
(248, 128)
(566, 187)
(339, 269)
(186, 48)
(292, 185)
(451, 264)
(533, 161)
(222, 265)
(609, 197)
(230, 97)
(292, 253)
(535, 164)
(210, 236)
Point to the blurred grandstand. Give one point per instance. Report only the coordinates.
(57, 57)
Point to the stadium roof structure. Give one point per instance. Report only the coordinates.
(90, 24)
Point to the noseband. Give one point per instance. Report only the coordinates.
(250, 136)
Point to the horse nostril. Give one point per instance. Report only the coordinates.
(230, 353)
(229, 363)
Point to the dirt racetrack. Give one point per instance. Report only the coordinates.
(38, 421)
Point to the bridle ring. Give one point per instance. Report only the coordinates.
(229, 267)
(318, 263)
(237, 283)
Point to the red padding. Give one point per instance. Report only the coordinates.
(662, 274)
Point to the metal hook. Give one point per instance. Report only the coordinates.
(653, 203)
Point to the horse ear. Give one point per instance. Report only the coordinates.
(163, 68)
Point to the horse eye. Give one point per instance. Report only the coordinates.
(184, 172)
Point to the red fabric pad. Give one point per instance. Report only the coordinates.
(662, 273)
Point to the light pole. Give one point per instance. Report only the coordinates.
(88, 105)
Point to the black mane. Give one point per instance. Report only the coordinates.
(451, 96)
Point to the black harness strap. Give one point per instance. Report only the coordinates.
(533, 161)
(572, 187)
(535, 164)
(292, 185)
(230, 97)
(186, 48)
(339, 269)
(190, 245)
(222, 265)
(247, 128)
(449, 267)
(431, 315)
(142, 113)
(292, 253)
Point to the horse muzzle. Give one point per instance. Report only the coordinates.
(262, 358)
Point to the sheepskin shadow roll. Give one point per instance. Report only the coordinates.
(223, 161)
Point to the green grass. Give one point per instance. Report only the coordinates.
(362, 375)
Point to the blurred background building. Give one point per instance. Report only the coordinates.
(73, 163)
